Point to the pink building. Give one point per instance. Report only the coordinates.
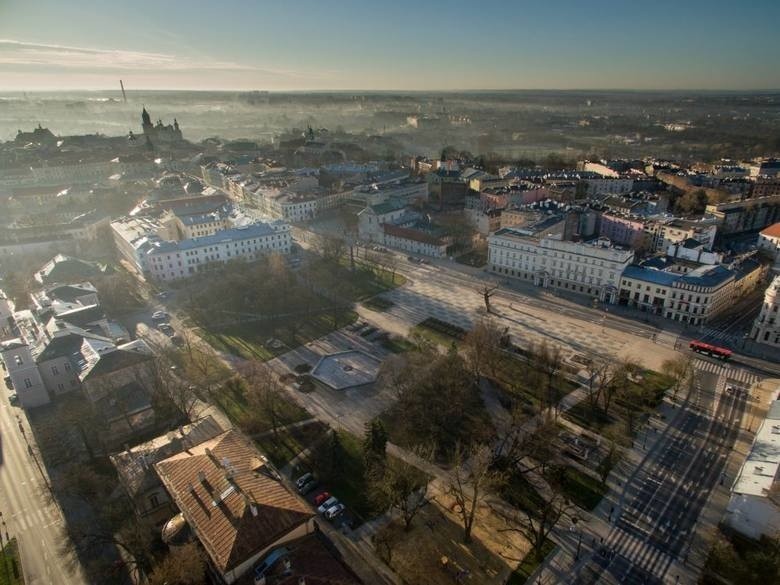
(625, 231)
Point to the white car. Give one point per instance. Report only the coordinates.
(327, 504)
(334, 511)
(159, 315)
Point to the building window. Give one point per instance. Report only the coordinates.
(27, 383)
(154, 501)
(55, 370)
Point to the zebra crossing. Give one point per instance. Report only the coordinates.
(662, 502)
(24, 520)
(727, 374)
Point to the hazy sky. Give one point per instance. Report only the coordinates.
(389, 44)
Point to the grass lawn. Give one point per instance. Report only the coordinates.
(248, 340)
(398, 344)
(231, 399)
(595, 420)
(344, 477)
(513, 378)
(438, 332)
(530, 564)
(473, 258)
(11, 573)
(582, 489)
(368, 281)
(378, 304)
(651, 388)
(290, 442)
(520, 493)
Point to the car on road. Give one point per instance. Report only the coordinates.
(321, 497)
(334, 511)
(159, 316)
(327, 504)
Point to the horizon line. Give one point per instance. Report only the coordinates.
(396, 90)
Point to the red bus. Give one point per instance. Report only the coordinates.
(711, 350)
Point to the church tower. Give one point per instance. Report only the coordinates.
(146, 122)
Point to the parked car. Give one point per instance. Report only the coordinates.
(159, 316)
(321, 497)
(327, 505)
(167, 329)
(306, 477)
(308, 487)
(13, 399)
(334, 511)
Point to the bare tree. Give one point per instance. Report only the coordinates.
(536, 525)
(482, 348)
(548, 359)
(183, 565)
(679, 369)
(402, 487)
(386, 539)
(168, 387)
(331, 248)
(488, 291)
(264, 393)
(472, 479)
(391, 265)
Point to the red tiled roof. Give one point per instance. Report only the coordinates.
(219, 508)
(412, 234)
(773, 231)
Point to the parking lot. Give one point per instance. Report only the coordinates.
(325, 502)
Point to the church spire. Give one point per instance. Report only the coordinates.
(146, 120)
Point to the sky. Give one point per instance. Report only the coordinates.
(389, 45)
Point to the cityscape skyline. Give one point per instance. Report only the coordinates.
(368, 46)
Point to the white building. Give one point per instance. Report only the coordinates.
(677, 231)
(769, 242)
(604, 187)
(371, 219)
(766, 327)
(416, 240)
(592, 268)
(750, 509)
(693, 297)
(169, 260)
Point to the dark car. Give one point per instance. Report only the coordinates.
(309, 486)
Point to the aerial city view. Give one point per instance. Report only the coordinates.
(341, 293)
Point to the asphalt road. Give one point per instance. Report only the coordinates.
(28, 513)
(664, 497)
